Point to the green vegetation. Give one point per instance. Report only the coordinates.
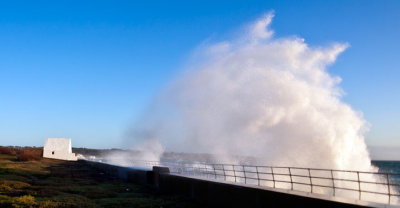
(28, 180)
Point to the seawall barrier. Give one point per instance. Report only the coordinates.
(224, 194)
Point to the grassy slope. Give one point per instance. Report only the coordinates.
(54, 183)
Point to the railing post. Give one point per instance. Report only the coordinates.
(388, 184)
(333, 183)
(215, 173)
(244, 172)
(234, 172)
(291, 181)
(309, 174)
(359, 185)
(273, 177)
(258, 177)
(205, 167)
(223, 169)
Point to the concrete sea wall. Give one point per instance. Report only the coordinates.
(224, 194)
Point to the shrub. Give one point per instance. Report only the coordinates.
(49, 204)
(23, 154)
(10, 186)
(24, 201)
(28, 154)
(9, 150)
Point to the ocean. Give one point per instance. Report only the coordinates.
(392, 167)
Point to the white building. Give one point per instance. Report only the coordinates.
(59, 148)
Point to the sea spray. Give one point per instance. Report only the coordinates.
(256, 95)
(149, 150)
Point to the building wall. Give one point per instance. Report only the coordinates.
(59, 148)
(59, 154)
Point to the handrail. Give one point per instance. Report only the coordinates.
(334, 180)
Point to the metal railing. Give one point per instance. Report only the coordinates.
(369, 186)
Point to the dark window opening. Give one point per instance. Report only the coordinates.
(52, 153)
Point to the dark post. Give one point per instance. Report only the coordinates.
(223, 169)
(215, 173)
(333, 183)
(273, 178)
(309, 175)
(244, 172)
(359, 185)
(234, 172)
(157, 170)
(291, 181)
(388, 185)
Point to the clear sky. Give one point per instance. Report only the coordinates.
(87, 69)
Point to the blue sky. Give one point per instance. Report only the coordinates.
(88, 69)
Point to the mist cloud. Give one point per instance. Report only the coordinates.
(260, 96)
